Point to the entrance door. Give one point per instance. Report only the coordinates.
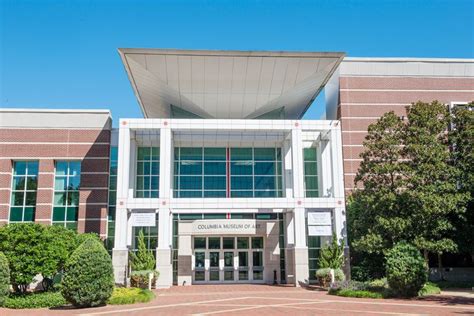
(228, 259)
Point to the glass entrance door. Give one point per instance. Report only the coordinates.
(228, 259)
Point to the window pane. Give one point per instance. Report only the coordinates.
(32, 167)
(241, 194)
(155, 153)
(17, 198)
(265, 168)
(19, 168)
(214, 259)
(29, 214)
(314, 242)
(310, 154)
(241, 183)
(16, 214)
(257, 242)
(312, 194)
(74, 168)
(191, 153)
(74, 183)
(155, 181)
(61, 168)
(60, 198)
(190, 168)
(228, 242)
(214, 183)
(310, 168)
(60, 183)
(216, 194)
(264, 183)
(199, 259)
(243, 259)
(155, 168)
(214, 242)
(19, 183)
(191, 183)
(242, 242)
(73, 198)
(264, 154)
(30, 198)
(144, 153)
(214, 154)
(190, 194)
(215, 216)
(71, 214)
(265, 193)
(311, 183)
(257, 257)
(59, 214)
(240, 154)
(199, 242)
(217, 168)
(241, 168)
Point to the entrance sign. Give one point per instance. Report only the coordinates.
(320, 230)
(143, 219)
(227, 226)
(319, 218)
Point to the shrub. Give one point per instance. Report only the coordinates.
(332, 256)
(356, 293)
(23, 245)
(35, 300)
(143, 259)
(140, 278)
(324, 276)
(406, 270)
(132, 295)
(429, 289)
(88, 275)
(349, 285)
(4, 278)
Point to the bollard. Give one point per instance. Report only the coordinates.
(275, 277)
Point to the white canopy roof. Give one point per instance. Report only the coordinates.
(226, 84)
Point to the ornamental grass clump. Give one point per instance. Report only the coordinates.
(4, 278)
(88, 277)
(406, 270)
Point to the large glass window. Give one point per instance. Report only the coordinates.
(24, 186)
(148, 172)
(255, 172)
(314, 248)
(109, 241)
(151, 236)
(200, 172)
(311, 172)
(66, 193)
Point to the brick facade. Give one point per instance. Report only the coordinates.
(365, 98)
(91, 146)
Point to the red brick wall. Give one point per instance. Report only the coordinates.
(90, 146)
(364, 99)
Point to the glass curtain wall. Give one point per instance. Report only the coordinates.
(311, 179)
(227, 172)
(66, 193)
(109, 241)
(24, 186)
(148, 172)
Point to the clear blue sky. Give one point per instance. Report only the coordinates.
(63, 54)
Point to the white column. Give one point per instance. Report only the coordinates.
(163, 253)
(288, 168)
(120, 252)
(326, 175)
(301, 250)
(297, 162)
(337, 161)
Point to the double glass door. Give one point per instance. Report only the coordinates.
(228, 259)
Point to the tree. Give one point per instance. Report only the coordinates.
(377, 212)
(409, 184)
(88, 275)
(431, 186)
(143, 259)
(332, 256)
(462, 148)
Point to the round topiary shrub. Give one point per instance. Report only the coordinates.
(406, 270)
(4, 278)
(88, 275)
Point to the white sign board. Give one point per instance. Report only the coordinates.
(143, 219)
(319, 218)
(227, 226)
(325, 230)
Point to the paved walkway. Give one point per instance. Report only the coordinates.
(267, 300)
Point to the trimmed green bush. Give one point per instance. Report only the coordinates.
(429, 289)
(406, 270)
(4, 278)
(143, 259)
(35, 300)
(324, 276)
(122, 295)
(140, 278)
(88, 275)
(355, 293)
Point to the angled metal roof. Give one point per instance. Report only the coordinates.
(227, 84)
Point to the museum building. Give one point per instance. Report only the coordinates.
(222, 175)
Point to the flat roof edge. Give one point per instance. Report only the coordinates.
(408, 59)
(93, 111)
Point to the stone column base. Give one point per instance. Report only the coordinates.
(165, 268)
(301, 267)
(120, 262)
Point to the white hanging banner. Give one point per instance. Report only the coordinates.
(320, 230)
(319, 218)
(143, 219)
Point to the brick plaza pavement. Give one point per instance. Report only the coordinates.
(246, 300)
